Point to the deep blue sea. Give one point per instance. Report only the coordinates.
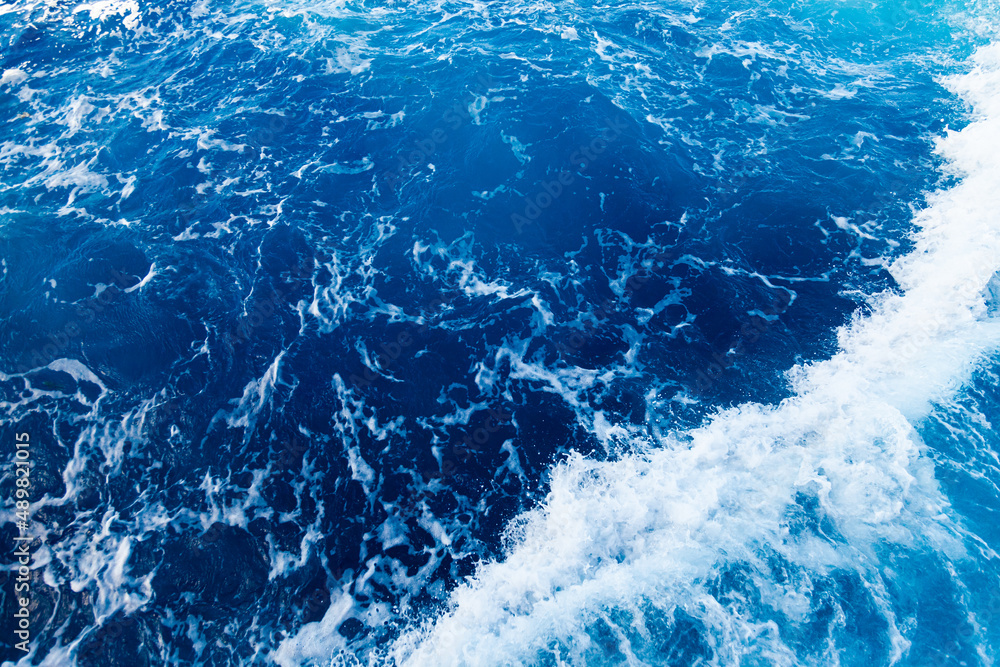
(501, 332)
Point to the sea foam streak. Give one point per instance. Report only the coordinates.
(615, 541)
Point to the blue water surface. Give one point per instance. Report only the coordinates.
(302, 301)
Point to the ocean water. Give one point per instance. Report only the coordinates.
(504, 332)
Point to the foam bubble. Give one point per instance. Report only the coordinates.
(12, 77)
(103, 9)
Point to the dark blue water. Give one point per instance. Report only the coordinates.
(305, 303)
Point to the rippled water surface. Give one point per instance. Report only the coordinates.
(503, 333)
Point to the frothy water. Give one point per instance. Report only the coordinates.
(733, 528)
(504, 333)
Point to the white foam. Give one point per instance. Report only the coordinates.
(296, 651)
(103, 9)
(12, 77)
(257, 394)
(652, 527)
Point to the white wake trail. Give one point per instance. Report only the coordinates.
(617, 539)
